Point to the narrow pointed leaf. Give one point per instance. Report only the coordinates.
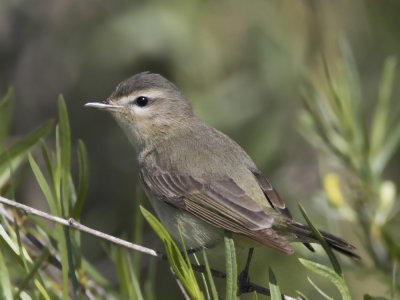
(383, 108)
(5, 286)
(302, 296)
(388, 149)
(231, 267)
(8, 244)
(6, 110)
(322, 241)
(44, 186)
(24, 145)
(214, 293)
(273, 286)
(65, 148)
(184, 273)
(323, 294)
(83, 179)
(49, 164)
(68, 244)
(33, 271)
(329, 274)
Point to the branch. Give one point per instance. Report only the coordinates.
(78, 226)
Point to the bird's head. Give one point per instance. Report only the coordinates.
(148, 107)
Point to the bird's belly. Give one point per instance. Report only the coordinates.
(195, 232)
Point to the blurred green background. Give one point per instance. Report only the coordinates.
(239, 63)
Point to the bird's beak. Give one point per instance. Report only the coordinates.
(102, 105)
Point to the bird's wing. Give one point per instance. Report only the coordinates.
(221, 203)
(273, 197)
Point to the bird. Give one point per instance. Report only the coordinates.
(199, 181)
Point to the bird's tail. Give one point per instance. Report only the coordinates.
(305, 235)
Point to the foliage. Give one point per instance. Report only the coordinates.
(231, 267)
(355, 152)
(329, 274)
(334, 122)
(273, 286)
(32, 250)
(60, 247)
(180, 265)
(335, 276)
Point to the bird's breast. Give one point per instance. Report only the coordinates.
(195, 232)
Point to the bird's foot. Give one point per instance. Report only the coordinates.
(191, 251)
(188, 252)
(243, 282)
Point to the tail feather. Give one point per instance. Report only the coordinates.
(305, 234)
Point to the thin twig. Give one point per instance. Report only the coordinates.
(184, 293)
(78, 226)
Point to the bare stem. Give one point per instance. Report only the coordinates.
(78, 226)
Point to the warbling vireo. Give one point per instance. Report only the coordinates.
(197, 177)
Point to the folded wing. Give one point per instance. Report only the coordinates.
(221, 203)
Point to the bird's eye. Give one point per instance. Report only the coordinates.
(142, 101)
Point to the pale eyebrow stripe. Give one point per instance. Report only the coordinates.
(145, 93)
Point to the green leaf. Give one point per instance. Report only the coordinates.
(7, 173)
(351, 77)
(150, 282)
(231, 267)
(20, 247)
(6, 107)
(322, 241)
(203, 277)
(354, 98)
(83, 179)
(273, 286)
(128, 280)
(62, 247)
(5, 285)
(24, 145)
(42, 290)
(323, 294)
(329, 274)
(7, 243)
(388, 149)
(44, 186)
(69, 249)
(134, 279)
(184, 272)
(138, 226)
(304, 297)
(63, 169)
(392, 245)
(214, 292)
(383, 108)
(65, 148)
(33, 271)
(49, 164)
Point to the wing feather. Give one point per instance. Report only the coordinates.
(221, 203)
(273, 197)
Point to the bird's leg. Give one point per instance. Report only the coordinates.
(188, 252)
(191, 251)
(243, 278)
